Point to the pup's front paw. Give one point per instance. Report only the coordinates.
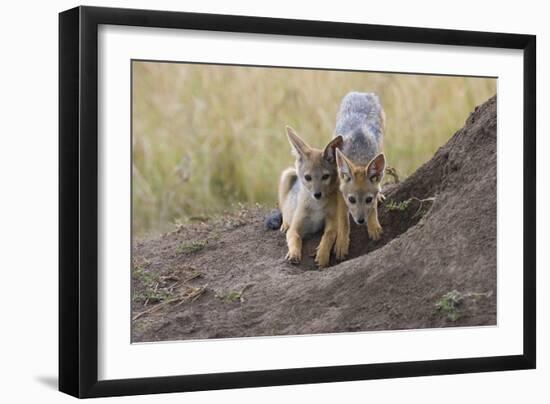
(294, 257)
(341, 248)
(381, 197)
(322, 259)
(375, 231)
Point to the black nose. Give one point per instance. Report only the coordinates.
(317, 195)
(361, 221)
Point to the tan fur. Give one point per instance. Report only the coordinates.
(322, 257)
(357, 184)
(373, 225)
(288, 177)
(341, 246)
(295, 230)
(302, 212)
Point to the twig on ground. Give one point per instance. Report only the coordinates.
(194, 295)
(190, 278)
(430, 199)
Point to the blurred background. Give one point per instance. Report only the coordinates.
(208, 139)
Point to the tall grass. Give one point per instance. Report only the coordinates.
(206, 137)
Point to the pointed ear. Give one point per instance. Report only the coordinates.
(299, 147)
(330, 150)
(345, 167)
(376, 167)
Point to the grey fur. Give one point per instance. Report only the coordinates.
(360, 122)
(274, 220)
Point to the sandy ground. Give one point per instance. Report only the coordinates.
(435, 265)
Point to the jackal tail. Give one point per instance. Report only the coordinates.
(274, 219)
(288, 178)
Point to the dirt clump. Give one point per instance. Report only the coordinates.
(435, 265)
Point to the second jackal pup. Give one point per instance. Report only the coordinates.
(361, 165)
(307, 197)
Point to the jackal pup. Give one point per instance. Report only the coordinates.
(360, 122)
(307, 197)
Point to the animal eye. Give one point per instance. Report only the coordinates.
(352, 199)
(307, 177)
(369, 199)
(325, 177)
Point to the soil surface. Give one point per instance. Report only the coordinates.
(435, 265)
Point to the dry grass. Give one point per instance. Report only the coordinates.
(208, 137)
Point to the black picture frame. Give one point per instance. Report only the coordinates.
(78, 201)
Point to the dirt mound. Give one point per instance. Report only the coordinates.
(435, 265)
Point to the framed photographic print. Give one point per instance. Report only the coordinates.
(251, 201)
